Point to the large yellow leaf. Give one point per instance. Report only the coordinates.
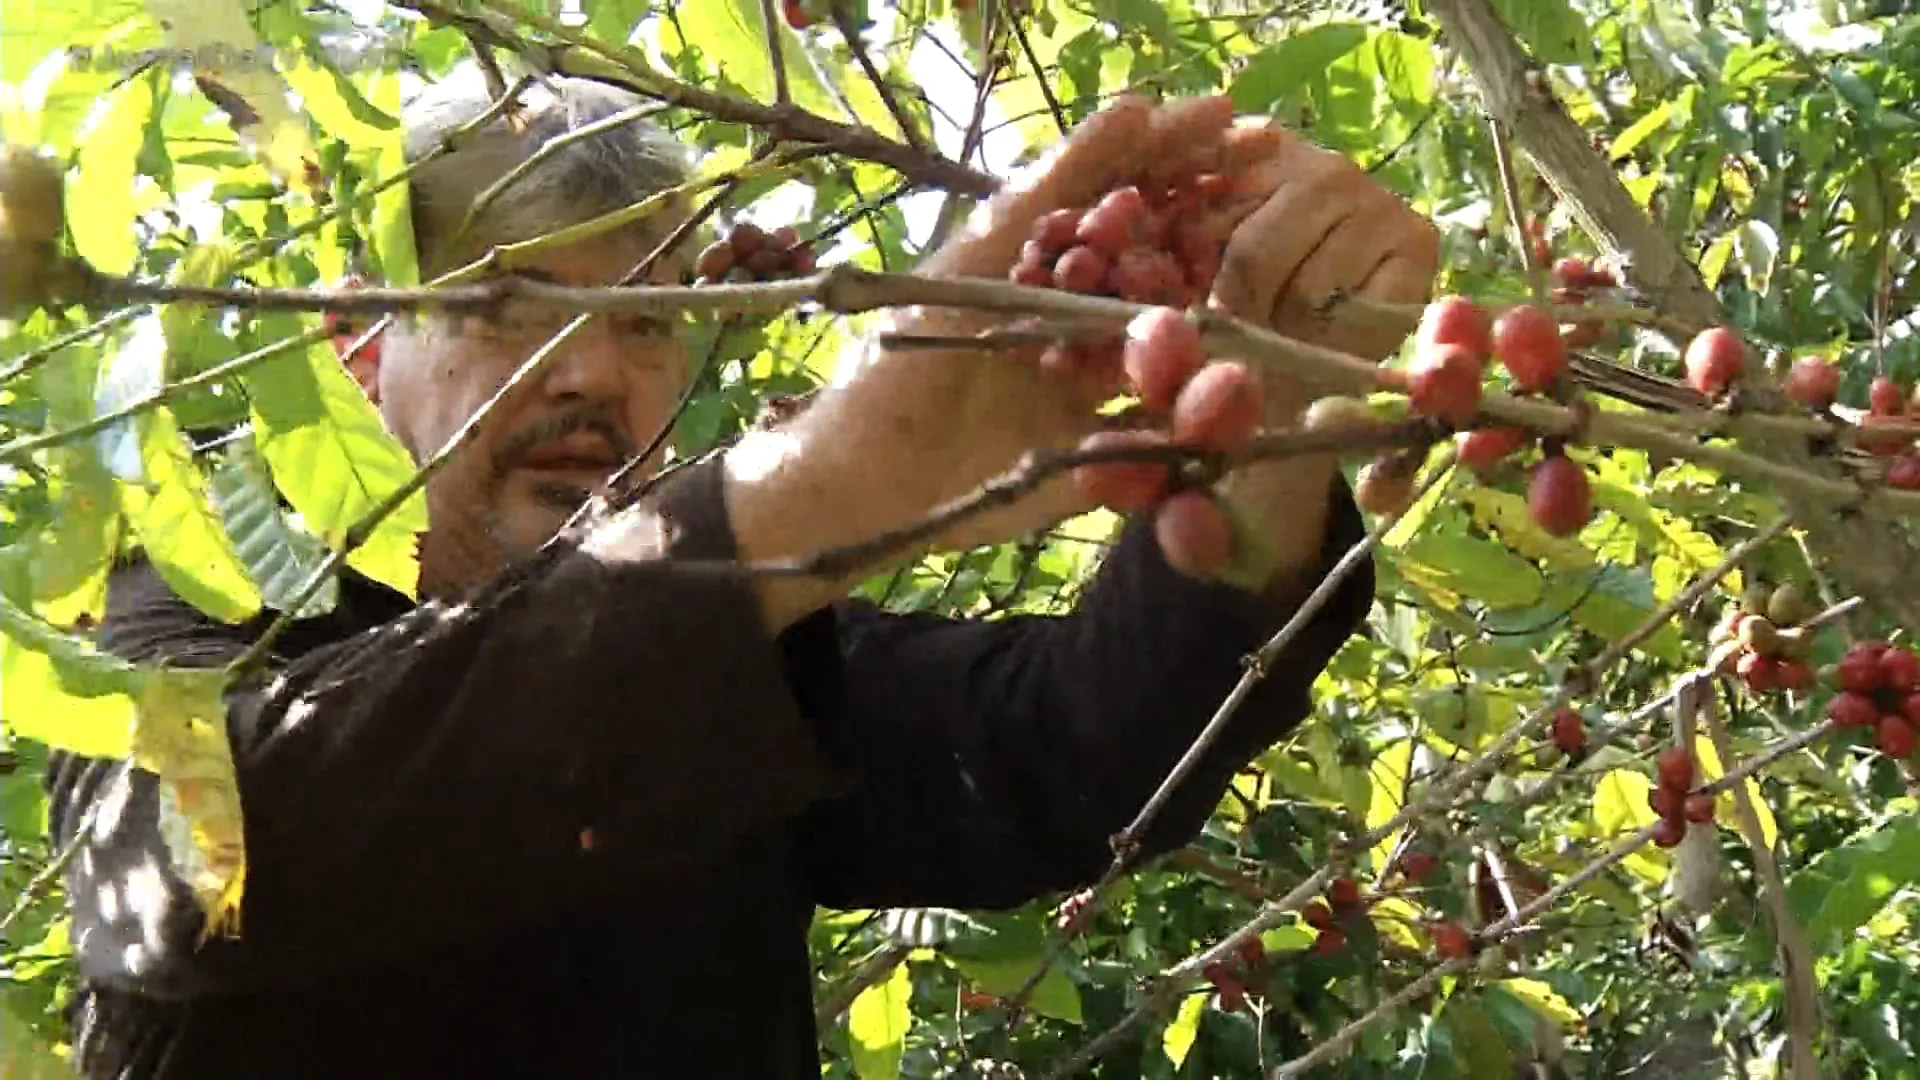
(1711, 769)
(1178, 1039)
(100, 197)
(181, 736)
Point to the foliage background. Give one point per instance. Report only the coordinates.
(1774, 143)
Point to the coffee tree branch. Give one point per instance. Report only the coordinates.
(1445, 789)
(583, 56)
(1517, 93)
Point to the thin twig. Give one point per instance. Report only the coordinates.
(32, 359)
(1510, 191)
(586, 57)
(490, 72)
(776, 55)
(873, 967)
(1037, 467)
(27, 446)
(1039, 76)
(843, 18)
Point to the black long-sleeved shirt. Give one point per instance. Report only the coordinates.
(420, 785)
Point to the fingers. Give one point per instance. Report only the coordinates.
(1270, 245)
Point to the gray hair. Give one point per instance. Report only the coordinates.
(587, 178)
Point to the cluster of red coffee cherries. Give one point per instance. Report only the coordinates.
(1231, 979)
(1815, 383)
(1138, 246)
(1675, 772)
(1344, 903)
(1763, 642)
(1879, 689)
(750, 253)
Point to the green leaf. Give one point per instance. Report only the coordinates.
(277, 555)
(1055, 996)
(180, 529)
(1280, 71)
(70, 558)
(194, 340)
(1714, 262)
(1475, 1041)
(25, 1057)
(1471, 567)
(332, 99)
(1178, 1039)
(731, 37)
(395, 257)
(333, 459)
(1405, 64)
(102, 193)
(1637, 133)
(1843, 888)
(1551, 28)
(877, 1025)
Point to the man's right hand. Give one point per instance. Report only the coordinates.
(900, 432)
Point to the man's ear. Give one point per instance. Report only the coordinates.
(363, 363)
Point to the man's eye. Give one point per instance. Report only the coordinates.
(643, 325)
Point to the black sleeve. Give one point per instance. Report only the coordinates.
(994, 760)
(437, 776)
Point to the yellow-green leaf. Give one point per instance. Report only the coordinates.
(180, 735)
(192, 336)
(1506, 515)
(393, 247)
(334, 460)
(1388, 773)
(1711, 770)
(877, 1026)
(177, 524)
(211, 29)
(1620, 806)
(1620, 802)
(1543, 998)
(1178, 1039)
(100, 197)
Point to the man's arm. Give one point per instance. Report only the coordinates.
(430, 779)
(994, 760)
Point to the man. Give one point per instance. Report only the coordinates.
(571, 814)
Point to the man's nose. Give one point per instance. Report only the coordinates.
(588, 365)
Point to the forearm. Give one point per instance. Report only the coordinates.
(862, 459)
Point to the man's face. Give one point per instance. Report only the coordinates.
(600, 398)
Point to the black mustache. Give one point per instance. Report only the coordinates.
(559, 427)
